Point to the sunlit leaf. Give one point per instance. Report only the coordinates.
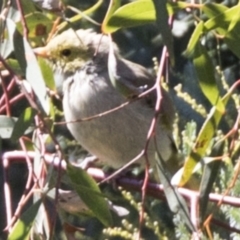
(90, 193)
(137, 13)
(38, 24)
(47, 73)
(22, 227)
(221, 22)
(112, 7)
(206, 76)
(6, 47)
(35, 78)
(194, 40)
(28, 6)
(203, 139)
(235, 19)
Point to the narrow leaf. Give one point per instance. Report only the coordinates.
(206, 76)
(90, 193)
(213, 9)
(202, 142)
(221, 22)
(163, 27)
(6, 47)
(176, 202)
(47, 73)
(209, 175)
(112, 7)
(23, 226)
(35, 78)
(19, 51)
(137, 13)
(194, 40)
(23, 122)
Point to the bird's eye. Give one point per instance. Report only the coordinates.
(66, 52)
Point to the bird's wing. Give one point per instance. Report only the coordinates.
(137, 78)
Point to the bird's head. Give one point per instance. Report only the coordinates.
(71, 50)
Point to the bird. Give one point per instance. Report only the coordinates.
(79, 60)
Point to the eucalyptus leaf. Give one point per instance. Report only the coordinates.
(203, 140)
(90, 193)
(6, 47)
(47, 73)
(213, 9)
(163, 27)
(23, 226)
(19, 51)
(28, 6)
(23, 123)
(194, 40)
(205, 72)
(39, 25)
(35, 78)
(221, 21)
(137, 13)
(211, 170)
(176, 202)
(113, 6)
(15, 66)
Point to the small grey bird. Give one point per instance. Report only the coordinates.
(80, 64)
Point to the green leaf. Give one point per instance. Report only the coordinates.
(176, 202)
(7, 46)
(47, 73)
(209, 175)
(39, 25)
(194, 40)
(28, 6)
(206, 77)
(35, 78)
(163, 27)
(90, 193)
(15, 66)
(235, 19)
(19, 51)
(113, 6)
(233, 42)
(137, 13)
(23, 122)
(203, 140)
(132, 14)
(213, 9)
(232, 37)
(221, 22)
(22, 227)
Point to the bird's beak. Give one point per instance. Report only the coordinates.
(41, 52)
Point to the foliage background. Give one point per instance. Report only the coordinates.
(220, 63)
